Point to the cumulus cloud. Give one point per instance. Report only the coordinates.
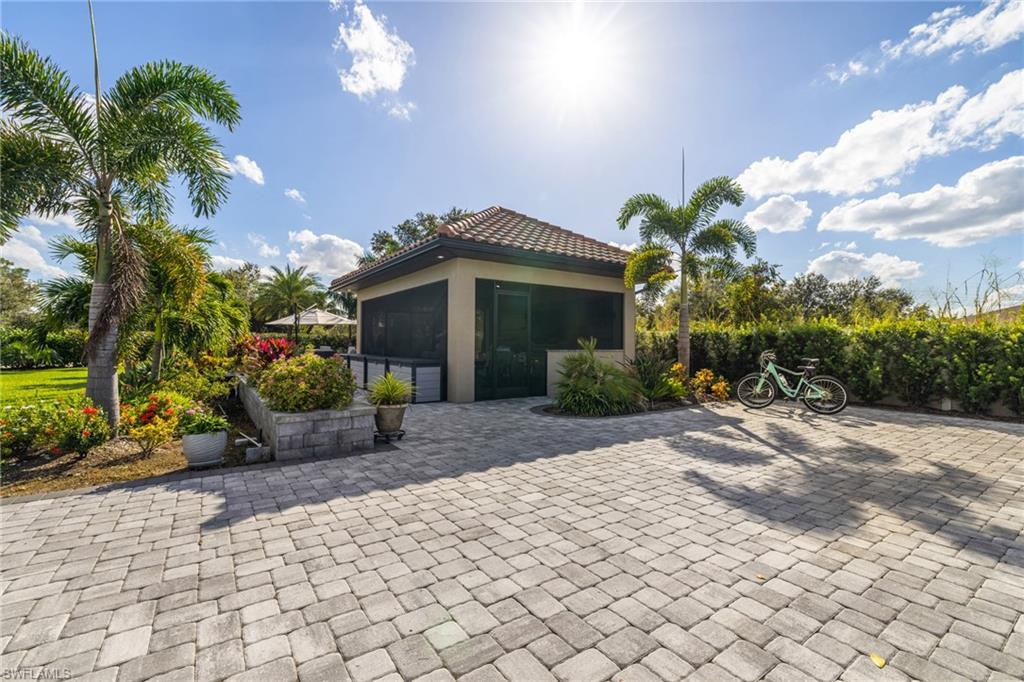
(262, 247)
(295, 195)
(380, 58)
(625, 247)
(840, 266)
(324, 254)
(779, 214)
(65, 221)
(891, 142)
(22, 250)
(954, 31)
(225, 262)
(986, 202)
(246, 167)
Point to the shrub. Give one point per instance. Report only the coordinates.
(197, 420)
(62, 425)
(654, 373)
(307, 382)
(590, 386)
(22, 348)
(708, 386)
(915, 361)
(155, 421)
(256, 353)
(390, 390)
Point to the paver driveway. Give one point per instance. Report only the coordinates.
(498, 543)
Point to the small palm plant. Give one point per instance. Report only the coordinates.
(391, 395)
(686, 234)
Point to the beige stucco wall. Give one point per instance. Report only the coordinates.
(462, 274)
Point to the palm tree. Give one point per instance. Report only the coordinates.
(110, 163)
(289, 292)
(688, 234)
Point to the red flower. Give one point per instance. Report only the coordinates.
(86, 433)
(89, 410)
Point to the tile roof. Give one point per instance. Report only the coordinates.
(500, 226)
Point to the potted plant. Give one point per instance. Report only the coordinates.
(391, 396)
(205, 437)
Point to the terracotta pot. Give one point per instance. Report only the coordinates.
(389, 418)
(204, 449)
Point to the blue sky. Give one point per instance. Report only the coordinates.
(866, 145)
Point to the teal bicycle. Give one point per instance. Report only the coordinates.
(821, 393)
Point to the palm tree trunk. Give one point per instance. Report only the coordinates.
(101, 383)
(157, 362)
(683, 335)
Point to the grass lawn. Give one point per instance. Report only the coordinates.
(21, 384)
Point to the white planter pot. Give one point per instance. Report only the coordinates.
(204, 449)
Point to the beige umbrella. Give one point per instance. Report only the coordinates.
(312, 317)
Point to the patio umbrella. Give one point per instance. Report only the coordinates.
(311, 317)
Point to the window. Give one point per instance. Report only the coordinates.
(410, 324)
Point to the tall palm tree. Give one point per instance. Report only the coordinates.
(110, 163)
(289, 292)
(686, 235)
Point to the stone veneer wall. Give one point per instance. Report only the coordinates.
(291, 435)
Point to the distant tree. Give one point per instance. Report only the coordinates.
(684, 234)
(754, 296)
(18, 297)
(246, 280)
(408, 232)
(289, 292)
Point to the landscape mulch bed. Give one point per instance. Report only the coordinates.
(114, 462)
(551, 410)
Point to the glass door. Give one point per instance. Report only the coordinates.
(511, 344)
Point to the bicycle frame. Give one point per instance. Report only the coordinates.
(809, 389)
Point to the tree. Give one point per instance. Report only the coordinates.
(111, 163)
(245, 280)
(19, 295)
(408, 232)
(289, 292)
(684, 234)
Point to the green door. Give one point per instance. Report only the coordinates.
(511, 344)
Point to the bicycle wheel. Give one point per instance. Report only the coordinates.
(833, 397)
(749, 394)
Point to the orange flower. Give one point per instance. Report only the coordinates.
(90, 410)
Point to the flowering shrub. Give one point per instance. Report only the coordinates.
(153, 422)
(63, 425)
(196, 420)
(82, 428)
(707, 386)
(255, 354)
(307, 382)
(678, 380)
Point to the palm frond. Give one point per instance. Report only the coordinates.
(641, 206)
(709, 197)
(171, 85)
(64, 302)
(82, 251)
(722, 237)
(37, 173)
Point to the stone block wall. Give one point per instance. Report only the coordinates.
(292, 435)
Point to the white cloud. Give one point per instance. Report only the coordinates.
(246, 167)
(295, 195)
(263, 248)
(779, 214)
(325, 254)
(840, 266)
(625, 247)
(997, 23)
(890, 143)
(225, 262)
(951, 30)
(19, 250)
(985, 202)
(380, 58)
(401, 110)
(65, 221)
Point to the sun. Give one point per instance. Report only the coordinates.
(576, 59)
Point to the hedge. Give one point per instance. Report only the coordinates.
(22, 348)
(916, 362)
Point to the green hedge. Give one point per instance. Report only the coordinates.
(22, 348)
(916, 362)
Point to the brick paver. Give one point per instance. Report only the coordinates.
(495, 543)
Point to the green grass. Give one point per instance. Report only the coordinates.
(29, 384)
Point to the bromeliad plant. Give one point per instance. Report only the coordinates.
(256, 353)
(197, 420)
